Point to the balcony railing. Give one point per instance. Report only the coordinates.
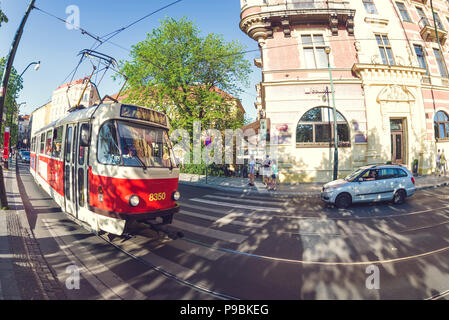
(428, 31)
(307, 4)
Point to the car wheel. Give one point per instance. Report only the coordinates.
(399, 197)
(343, 201)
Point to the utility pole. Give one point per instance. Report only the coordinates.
(4, 87)
(328, 51)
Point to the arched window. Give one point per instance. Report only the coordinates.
(316, 128)
(441, 125)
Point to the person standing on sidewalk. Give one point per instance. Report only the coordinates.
(274, 176)
(442, 163)
(267, 171)
(438, 169)
(252, 171)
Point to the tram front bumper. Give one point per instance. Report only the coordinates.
(150, 215)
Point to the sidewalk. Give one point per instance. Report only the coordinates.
(285, 190)
(24, 272)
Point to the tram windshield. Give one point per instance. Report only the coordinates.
(134, 145)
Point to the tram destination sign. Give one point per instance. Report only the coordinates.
(138, 113)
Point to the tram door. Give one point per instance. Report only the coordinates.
(81, 167)
(69, 169)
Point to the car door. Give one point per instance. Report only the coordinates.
(387, 183)
(366, 188)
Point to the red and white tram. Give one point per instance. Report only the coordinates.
(108, 165)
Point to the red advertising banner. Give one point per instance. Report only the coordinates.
(6, 144)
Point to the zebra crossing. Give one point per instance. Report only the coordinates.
(219, 219)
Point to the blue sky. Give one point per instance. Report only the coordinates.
(48, 40)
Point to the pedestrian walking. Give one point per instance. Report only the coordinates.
(443, 163)
(252, 170)
(267, 171)
(438, 169)
(274, 176)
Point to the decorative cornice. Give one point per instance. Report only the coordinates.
(384, 74)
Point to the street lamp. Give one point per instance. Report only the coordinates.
(38, 65)
(328, 51)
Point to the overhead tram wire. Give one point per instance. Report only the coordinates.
(118, 31)
(99, 39)
(110, 35)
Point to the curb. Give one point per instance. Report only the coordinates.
(251, 191)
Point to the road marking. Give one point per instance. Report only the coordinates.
(216, 234)
(200, 251)
(244, 200)
(252, 215)
(107, 283)
(240, 206)
(228, 219)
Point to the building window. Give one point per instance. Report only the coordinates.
(369, 6)
(422, 17)
(403, 12)
(314, 51)
(385, 49)
(421, 58)
(440, 62)
(316, 128)
(441, 125)
(438, 21)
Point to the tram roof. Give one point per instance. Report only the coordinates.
(78, 115)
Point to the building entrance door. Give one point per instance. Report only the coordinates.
(397, 141)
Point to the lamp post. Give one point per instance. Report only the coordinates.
(38, 65)
(328, 51)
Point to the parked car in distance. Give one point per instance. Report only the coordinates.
(372, 183)
(25, 156)
(20, 153)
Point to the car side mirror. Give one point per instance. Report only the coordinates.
(84, 135)
(361, 180)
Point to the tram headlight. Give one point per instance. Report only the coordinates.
(134, 201)
(176, 196)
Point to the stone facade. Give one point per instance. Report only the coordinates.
(388, 82)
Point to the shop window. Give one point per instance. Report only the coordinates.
(316, 128)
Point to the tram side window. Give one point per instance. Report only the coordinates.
(41, 150)
(48, 143)
(108, 150)
(57, 143)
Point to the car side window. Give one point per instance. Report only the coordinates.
(387, 173)
(401, 173)
(370, 175)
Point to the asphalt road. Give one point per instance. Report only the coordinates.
(255, 248)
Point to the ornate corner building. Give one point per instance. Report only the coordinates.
(388, 64)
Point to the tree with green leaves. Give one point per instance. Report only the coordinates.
(10, 113)
(3, 17)
(188, 76)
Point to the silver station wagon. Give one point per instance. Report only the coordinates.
(372, 183)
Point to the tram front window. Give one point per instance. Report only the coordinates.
(134, 145)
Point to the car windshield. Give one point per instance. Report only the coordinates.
(354, 175)
(134, 145)
(26, 153)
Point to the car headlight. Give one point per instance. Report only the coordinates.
(176, 196)
(134, 201)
